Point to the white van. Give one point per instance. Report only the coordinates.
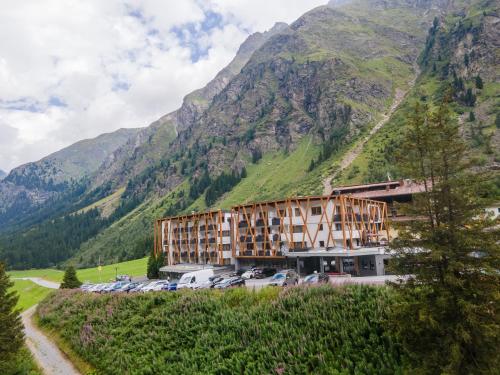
(193, 280)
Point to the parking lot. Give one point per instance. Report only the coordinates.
(228, 281)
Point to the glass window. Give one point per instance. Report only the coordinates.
(298, 228)
(322, 243)
(297, 211)
(321, 227)
(316, 211)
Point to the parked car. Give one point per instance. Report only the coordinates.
(100, 288)
(264, 272)
(110, 287)
(128, 287)
(230, 283)
(160, 285)
(316, 278)
(138, 288)
(193, 280)
(285, 278)
(153, 285)
(250, 274)
(211, 282)
(85, 287)
(123, 278)
(172, 286)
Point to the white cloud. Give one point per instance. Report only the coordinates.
(74, 69)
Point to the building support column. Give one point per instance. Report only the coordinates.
(298, 266)
(321, 265)
(340, 264)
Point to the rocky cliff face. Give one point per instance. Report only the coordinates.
(327, 78)
(2, 174)
(151, 144)
(329, 74)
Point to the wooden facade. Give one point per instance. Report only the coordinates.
(273, 229)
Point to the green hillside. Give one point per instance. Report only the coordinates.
(277, 121)
(445, 67)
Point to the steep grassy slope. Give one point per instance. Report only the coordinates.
(285, 111)
(445, 67)
(313, 330)
(305, 94)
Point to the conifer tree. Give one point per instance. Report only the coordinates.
(446, 313)
(152, 270)
(70, 280)
(11, 330)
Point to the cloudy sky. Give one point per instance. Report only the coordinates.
(73, 69)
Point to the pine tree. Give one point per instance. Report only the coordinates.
(70, 280)
(472, 116)
(152, 271)
(479, 82)
(11, 329)
(446, 313)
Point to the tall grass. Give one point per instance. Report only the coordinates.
(321, 330)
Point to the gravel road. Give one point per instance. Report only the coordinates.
(45, 352)
(39, 281)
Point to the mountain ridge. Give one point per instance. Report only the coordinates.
(293, 101)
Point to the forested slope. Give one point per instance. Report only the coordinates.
(278, 119)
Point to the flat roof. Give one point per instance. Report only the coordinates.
(185, 267)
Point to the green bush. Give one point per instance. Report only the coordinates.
(321, 330)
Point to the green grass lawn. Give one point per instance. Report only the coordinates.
(135, 267)
(29, 293)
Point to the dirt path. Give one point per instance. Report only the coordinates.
(39, 281)
(358, 148)
(46, 353)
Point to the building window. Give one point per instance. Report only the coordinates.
(226, 233)
(297, 211)
(337, 209)
(321, 227)
(282, 213)
(249, 246)
(315, 211)
(338, 226)
(321, 243)
(298, 228)
(297, 245)
(226, 247)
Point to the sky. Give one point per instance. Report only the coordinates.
(71, 70)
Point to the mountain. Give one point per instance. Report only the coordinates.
(34, 183)
(461, 55)
(278, 119)
(2, 174)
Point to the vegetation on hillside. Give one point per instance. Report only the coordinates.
(457, 56)
(321, 330)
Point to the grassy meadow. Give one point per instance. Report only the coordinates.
(29, 293)
(135, 267)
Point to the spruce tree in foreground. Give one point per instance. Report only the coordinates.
(11, 329)
(446, 314)
(70, 280)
